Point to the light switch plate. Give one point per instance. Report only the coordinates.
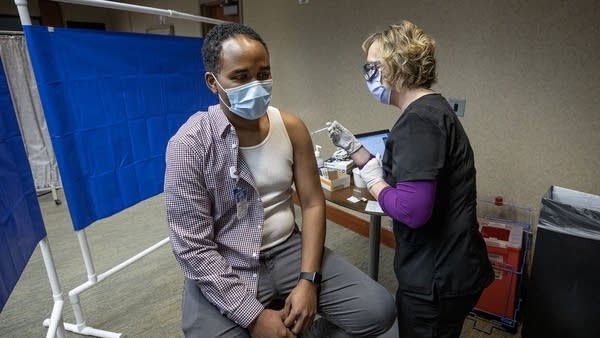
(458, 106)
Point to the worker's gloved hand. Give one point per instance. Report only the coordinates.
(372, 172)
(342, 137)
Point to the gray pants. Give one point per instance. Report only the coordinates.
(350, 303)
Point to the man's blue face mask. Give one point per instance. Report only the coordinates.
(379, 92)
(248, 101)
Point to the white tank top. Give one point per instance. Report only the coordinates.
(271, 165)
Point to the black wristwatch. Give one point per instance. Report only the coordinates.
(313, 277)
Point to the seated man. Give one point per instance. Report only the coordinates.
(228, 188)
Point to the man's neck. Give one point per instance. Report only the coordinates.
(250, 132)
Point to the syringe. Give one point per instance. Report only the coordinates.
(318, 131)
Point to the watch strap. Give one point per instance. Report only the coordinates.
(313, 277)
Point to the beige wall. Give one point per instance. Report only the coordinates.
(529, 71)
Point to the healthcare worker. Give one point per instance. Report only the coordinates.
(425, 183)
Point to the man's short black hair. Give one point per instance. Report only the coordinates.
(213, 43)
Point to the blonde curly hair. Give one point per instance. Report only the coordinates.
(408, 55)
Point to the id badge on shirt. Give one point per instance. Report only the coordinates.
(241, 202)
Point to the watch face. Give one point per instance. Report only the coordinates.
(317, 279)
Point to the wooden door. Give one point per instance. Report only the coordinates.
(222, 10)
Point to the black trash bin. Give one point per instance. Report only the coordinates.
(564, 286)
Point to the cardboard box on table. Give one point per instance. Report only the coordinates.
(334, 179)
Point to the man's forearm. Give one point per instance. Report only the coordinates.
(313, 238)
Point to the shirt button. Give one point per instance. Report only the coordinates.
(233, 146)
(254, 254)
(254, 275)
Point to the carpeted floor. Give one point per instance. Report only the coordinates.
(142, 300)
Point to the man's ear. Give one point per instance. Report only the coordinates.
(210, 82)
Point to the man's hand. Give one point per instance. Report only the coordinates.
(342, 137)
(269, 324)
(300, 307)
(372, 172)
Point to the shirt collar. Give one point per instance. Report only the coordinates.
(222, 124)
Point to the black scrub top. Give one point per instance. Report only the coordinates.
(447, 254)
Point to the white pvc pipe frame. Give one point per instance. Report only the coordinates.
(54, 327)
(80, 326)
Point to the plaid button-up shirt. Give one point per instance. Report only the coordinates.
(213, 246)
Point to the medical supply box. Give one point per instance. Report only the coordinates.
(334, 179)
(340, 165)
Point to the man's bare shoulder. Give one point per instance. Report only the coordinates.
(294, 125)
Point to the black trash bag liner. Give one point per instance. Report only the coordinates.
(571, 212)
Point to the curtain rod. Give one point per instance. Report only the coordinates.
(11, 33)
(143, 9)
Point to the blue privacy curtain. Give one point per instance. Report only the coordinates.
(112, 101)
(21, 225)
